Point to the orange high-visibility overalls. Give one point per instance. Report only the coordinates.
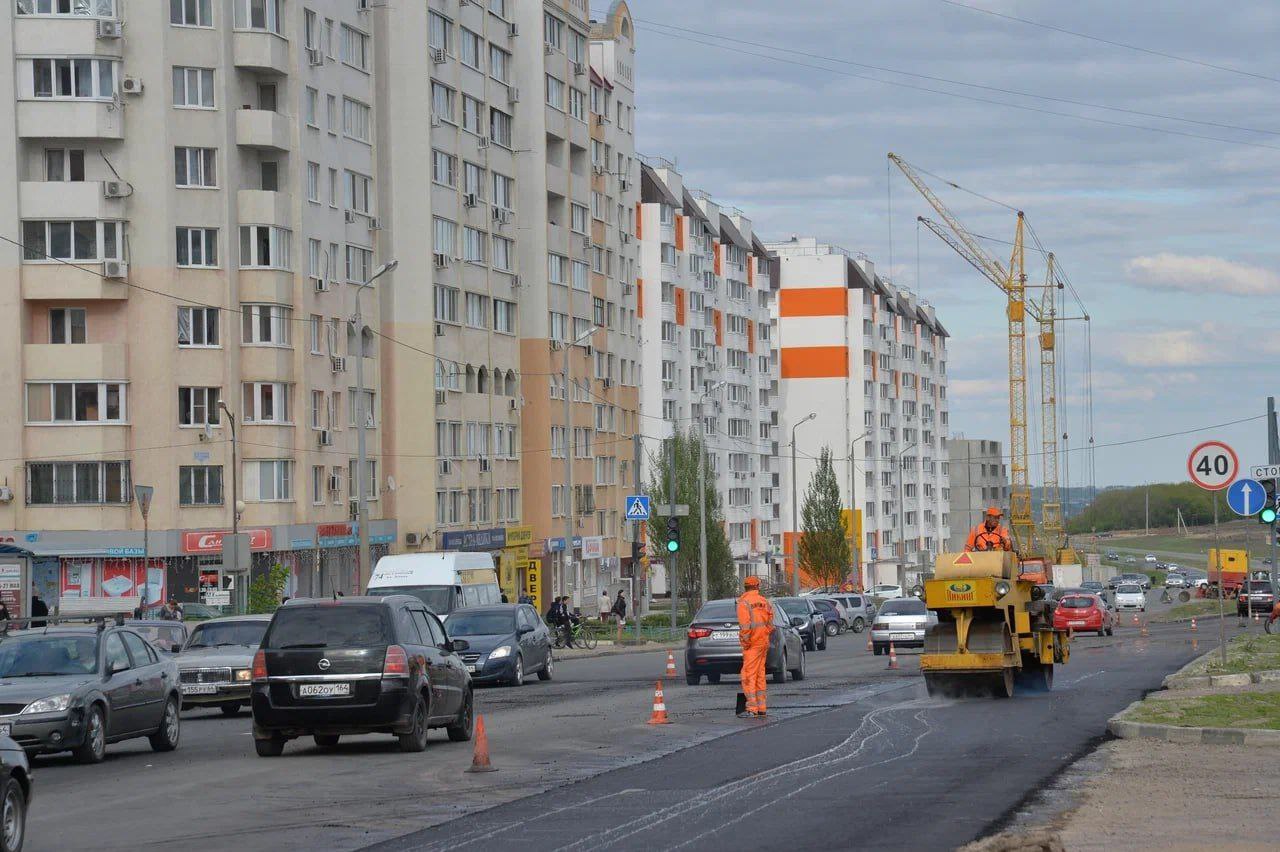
(980, 539)
(755, 624)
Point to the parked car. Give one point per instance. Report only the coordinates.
(1130, 596)
(814, 631)
(15, 795)
(1151, 559)
(903, 622)
(1255, 597)
(166, 635)
(1175, 580)
(858, 609)
(831, 614)
(712, 648)
(359, 665)
(1082, 612)
(1093, 587)
(508, 642)
(215, 666)
(886, 590)
(76, 686)
(199, 612)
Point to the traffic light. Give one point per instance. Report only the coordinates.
(1268, 513)
(673, 535)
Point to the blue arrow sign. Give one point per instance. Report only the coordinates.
(638, 507)
(1246, 497)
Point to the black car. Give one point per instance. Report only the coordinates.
(1255, 597)
(814, 630)
(507, 642)
(358, 665)
(712, 648)
(15, 795)
(79, 686)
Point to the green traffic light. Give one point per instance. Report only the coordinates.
(1268, 515)
(673, 546)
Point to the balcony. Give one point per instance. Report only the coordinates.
(67, 200)
(263, 129)
(69, 362)
(53, 118)
(268, 286)
(267, 363)
(260, 51)
(75, 35)
(263, 207)
(61, 282)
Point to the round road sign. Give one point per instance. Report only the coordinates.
(1213, 465)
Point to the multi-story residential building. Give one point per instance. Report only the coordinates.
(706, 290)
(193, 186)
(979, 478)
(867, 361)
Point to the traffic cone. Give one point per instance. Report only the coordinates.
(893, 657)
(671, 665)
(1256, 618)
(1135, 619)
(1144, 631)
(659, 715)
(870, 647)
(480, 761)
(1193, 625)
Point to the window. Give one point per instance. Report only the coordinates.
(64, 164)
(193, 87)
(266, 325)
(317, 333)
(77, 483)
(258, 15)
(331, 113)
(578, 104)
(469, 48)
(66, 325)
(76, 240)
(446, 303)
(370, 408)
(313, 182)
(472, 115)
(446, 236)
(328, 40)
(333, 188)
(316, 262)
(477, 310)
(197, 327)
(504, 316)
(473, 179)
(558, 442)
(442, 101)
(577, 47)
(195, 167)
(557, 271)
(370, 480)
(559, 324)
(73, 78)
(358, 190)
(266, 402)
(439, 31)
(198, 406)
(503, 251)
(76, 402)
(268, 480)
(197, 247)
(555, 92)
(504, 192)
(581, 276)
(578, 218)
(317, 484)
(499, 64)
(184, 13)
(444, 168)
(355, 120)
(86, 8)
(498, 7)
(359, 264)
(473, 245)
(499, 127)
(553, 31)
(312, 107)
(355, 48)
(264, 247)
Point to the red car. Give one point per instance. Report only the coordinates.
(1081, 613)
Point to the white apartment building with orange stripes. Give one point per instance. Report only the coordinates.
(705, 293)
(869, 361)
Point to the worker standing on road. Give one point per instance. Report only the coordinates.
(755, 625)
(989, 535)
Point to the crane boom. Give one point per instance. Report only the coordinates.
(1051, 504)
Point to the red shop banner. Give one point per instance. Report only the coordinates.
(210, 541)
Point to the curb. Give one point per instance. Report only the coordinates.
(614, 652)
(1126, 730)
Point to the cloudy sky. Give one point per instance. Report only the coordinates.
(1171, 240)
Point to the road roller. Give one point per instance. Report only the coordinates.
(995, 629)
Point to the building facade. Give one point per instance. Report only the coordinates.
(863, 373)
(979, 479)
(707, 286)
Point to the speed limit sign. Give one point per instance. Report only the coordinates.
(1213, 465)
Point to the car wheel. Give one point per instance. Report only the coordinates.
(798, 673)
(230, 709)
(692, 679)
(780, 676)
(517, 679)
(94, 747)
(13, 817)
(166, 736)
(465, 725)
(547, 671)
(810, 644)
(823, 646)
(832, 628)
(416, 739)
(713, 677)
(326, 740)
(271, 747)
(859, 625)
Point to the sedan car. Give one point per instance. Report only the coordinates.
(858, 609)
(79, 686)
(1136, 578)
(15, 794)
(1083, 612)
(902, 621)
(1093, 587)
(814, 630)
(165, 635)
(1112, 582)
(1255, 597)
(1131, 596)
(886, 590)
(508, 641)
(215, 666)
(712, 648)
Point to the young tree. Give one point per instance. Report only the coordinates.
(824, 543)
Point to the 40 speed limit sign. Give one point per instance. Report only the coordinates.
(1213, 465)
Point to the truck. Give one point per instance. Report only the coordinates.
(1068, 576)
(1228, 570)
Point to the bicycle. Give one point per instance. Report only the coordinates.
(575, 635)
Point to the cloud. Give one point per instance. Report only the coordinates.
(1196, 274)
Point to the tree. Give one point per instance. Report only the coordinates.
(267, 589)
(721, 577)
(824, 542)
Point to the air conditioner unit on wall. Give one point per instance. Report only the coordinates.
(315, 56)
(131, 86)
(326, 438)
(110, 29)
(115, 269)
(115, 189)
(338, 364)
(441, 397)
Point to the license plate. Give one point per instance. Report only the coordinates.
(323, 690)
(5, 729)
(199, 689)
(724, 634)
(902, 635)
(1078, 623)
(471, 669)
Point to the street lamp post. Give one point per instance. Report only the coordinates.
(236, 506)
(362, 418)
(795, 512)
(702, 488)
(853, 504)
(902, 539)
(143, 494)
(570, 508)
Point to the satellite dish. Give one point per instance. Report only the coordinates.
(391, 483)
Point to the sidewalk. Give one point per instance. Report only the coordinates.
(608, 648)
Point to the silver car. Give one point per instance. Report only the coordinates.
(215, 667)
(858, 609)
(902, 621)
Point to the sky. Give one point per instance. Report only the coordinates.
(1170, 240)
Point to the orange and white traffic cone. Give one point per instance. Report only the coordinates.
(480, 760)
(1193, 625)
(1256, 617)
(659, 715)
(671, 665)
(1135, 619)
(870, 647)
(893, 657)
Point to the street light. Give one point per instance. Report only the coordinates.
(362, 418)
(853, 503)
(795, 512)
(902, 540)
(702, 487)
(570, 510)
(237, 507)
(143, 494)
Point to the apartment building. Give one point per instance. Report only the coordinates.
(979, 478)
(192, 185)
(706, 288)
(866, 361)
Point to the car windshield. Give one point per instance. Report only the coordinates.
(794, 608)
(1077, 602)
(465, 623)
(439, 599)
(1129, 590)
(227, 633)
(903, 606)
(166, 636)
(327, 627)
(718, 611)
(37, 656)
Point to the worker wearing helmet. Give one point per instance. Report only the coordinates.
(989, 535)
(755, 625)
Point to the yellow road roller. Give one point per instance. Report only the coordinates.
(994, 628)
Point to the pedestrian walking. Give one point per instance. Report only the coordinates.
(755, 625)
(619, 611)
(606, 605)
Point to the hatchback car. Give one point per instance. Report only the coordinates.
(814, 630)
(1130, 596)
(358, 665)
(833, 615)
(215, 666)
(507, 641)
(903, 622)
(79, 686)
(858, 610)
(712, 648)
(1111, 554)
(1130, 560)
(1084, 612)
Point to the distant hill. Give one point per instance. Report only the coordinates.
(1124, 508)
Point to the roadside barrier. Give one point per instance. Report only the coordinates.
(480, 760)
(659, 715)
(893, 657)
(671, 665)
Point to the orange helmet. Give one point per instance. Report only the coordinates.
(993, 512)
(752, 582)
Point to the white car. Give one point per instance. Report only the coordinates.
(885, 590)
(1130, 596)
(1151, 558)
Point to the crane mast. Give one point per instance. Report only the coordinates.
(1054, 536)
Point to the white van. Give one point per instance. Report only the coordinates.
(445, 582)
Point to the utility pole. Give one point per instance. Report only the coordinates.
(235, 499)
(672, 558)
(1222, 592)
(638, 546)
(1147, 507)
(1273, 457)
(362, 424)
(853, 507)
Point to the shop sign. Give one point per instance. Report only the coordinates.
(211, 541)
(533, 582)
(592, 547)
(519, 536)
(555, 545)
(538, 548)
(125, 551)
(494, 539)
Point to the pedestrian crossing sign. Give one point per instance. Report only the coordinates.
(638, 507)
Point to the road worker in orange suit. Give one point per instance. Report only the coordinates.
(755, 625)
(989, 535)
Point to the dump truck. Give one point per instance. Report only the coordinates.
(994, 631)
